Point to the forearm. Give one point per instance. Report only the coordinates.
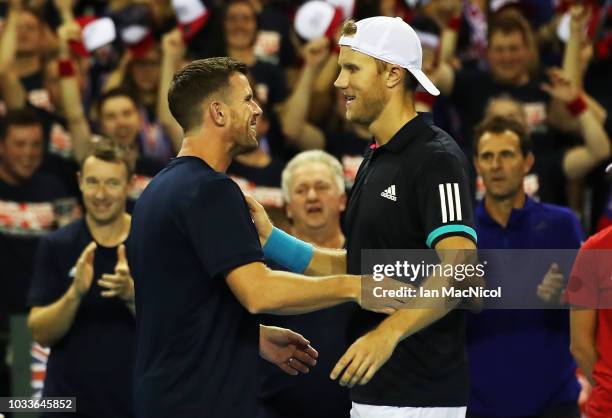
(326, 262)
(421, 312)
(75, 115)
(49, 324)
(295, 109)
(595, 137)
(12, 91)
(448, 44)
(287, 293)
(586, 356)
(571, 59)
(8, 41)
(168, 68)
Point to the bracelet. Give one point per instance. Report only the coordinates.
(454, 23)
(577, 106)
(288, 251)
(65, 68)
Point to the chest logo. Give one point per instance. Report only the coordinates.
(389, 193)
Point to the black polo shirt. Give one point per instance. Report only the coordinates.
(409, 194)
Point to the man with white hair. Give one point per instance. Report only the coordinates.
(313, 191)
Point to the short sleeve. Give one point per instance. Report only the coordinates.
(48, 283)
(221, 229)
(443, 196)
(583, 285)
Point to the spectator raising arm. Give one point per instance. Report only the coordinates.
(294, 111)
(173, 52)
(71, 95)
(579, 160)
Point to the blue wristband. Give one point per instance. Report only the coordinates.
(288, 251)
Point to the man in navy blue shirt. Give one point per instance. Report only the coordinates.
(82, 294)
(198, 266)
(520, 363)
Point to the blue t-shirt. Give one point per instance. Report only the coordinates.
(519, 360)
(197, 346)
(94, 360)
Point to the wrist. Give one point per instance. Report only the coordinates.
(577, 106)
(73, 293)
(388, 333)
(65, 68)
(454, 23)
(352, 285)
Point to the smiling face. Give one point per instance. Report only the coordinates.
(508, 56)
(501, 164)
(120, 120)
(362, 86)
(240, 26)
(105, 186)
(21, 151)
(244, 112)
(315, 202)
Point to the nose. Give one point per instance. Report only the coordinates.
(257, 109)
(312, 194)
(342, 81)
(496, 162)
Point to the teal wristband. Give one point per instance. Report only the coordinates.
(288, 251)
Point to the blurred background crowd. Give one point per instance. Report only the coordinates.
(72, 71)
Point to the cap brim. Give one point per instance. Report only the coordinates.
(425, 82)
(609, 168)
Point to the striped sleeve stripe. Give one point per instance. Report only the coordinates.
(450, 229)
(450, 202)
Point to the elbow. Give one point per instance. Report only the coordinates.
(37, 334)
(578, 350)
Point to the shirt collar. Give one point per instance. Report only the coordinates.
(516, 216)
(402, 138)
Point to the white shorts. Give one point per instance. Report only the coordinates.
(375, 411)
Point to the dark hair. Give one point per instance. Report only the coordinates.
(18, 117)
(113, 93)
(501, 124)
(508, 22)
(112, 152)
(196, 82)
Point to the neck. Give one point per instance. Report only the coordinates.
(111, 234)
(331, 237)
(213, 151)
(398, 112)
(8, 178)
(148, 98)
(519, 80)
(500, 209)
(258, 158)
(27, 64)
(246, 55)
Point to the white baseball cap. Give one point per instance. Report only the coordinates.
(347, 6)
(392, 40)
(317, 18)
(98, 32)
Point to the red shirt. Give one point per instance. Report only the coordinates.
(590, 286)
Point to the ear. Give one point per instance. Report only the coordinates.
(218, 113)
(395, 75)
(79, 177)
(343, 202)
(529, 161)
(288, 211)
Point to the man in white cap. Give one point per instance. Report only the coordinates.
(411, 363)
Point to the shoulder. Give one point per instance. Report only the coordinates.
(556, 213)
(602, 239)
(440, 148)
(65, 236)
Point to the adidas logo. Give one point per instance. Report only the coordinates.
(389, 193)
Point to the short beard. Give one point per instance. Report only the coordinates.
(374, 109)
